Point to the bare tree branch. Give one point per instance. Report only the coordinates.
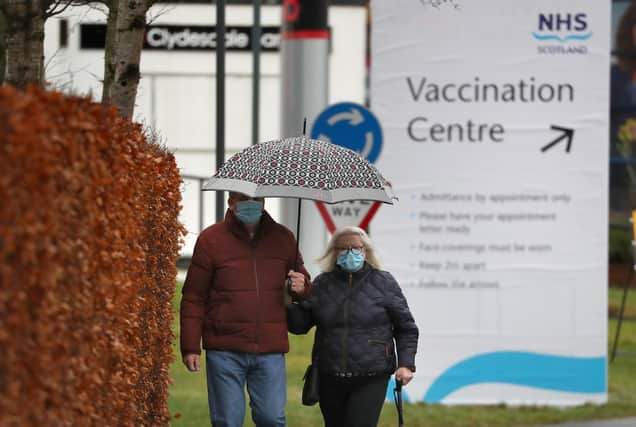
(152, 17)
(57, 7)
(54, 8)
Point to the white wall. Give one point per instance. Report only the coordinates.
(177, 91)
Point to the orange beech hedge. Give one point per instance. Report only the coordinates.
(89, 237)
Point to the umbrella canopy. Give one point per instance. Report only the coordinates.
(302, 168)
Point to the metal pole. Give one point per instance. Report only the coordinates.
(621, 313)
(201, 207)
(367, 57)
(220, 101)
(256, 68)
(304, 93)
(153, 101)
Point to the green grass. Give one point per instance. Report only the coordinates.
(188, 396)
(616, 298)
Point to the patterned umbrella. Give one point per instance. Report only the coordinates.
(302, 168)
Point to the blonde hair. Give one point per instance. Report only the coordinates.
(328, 259)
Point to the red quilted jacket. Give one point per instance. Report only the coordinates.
(233, 293)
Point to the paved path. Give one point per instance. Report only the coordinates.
(619, 422)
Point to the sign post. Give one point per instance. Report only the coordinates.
(304, 76)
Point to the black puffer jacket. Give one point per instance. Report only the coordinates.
(361, 318)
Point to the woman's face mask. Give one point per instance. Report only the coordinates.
(350, 259)
(249, 211)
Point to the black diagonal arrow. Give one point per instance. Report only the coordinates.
(567, 133)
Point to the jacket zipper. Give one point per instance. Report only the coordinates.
(346, 325)
(258, 297)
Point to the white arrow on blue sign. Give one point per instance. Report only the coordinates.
(352, 126)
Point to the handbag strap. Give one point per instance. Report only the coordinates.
(314, 353)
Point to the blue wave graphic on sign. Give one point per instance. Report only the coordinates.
(560, 373)
(544, 37)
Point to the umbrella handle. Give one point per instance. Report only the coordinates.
(300, 205)
(291, 293)
(397, 394)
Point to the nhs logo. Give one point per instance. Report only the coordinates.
(562, 33)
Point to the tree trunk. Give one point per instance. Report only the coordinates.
(3, 46)
(130, 25)
(25, 42)
(109, 51)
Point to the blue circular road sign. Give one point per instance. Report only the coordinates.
(352, 126)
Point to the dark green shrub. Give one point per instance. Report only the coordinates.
(620, 243)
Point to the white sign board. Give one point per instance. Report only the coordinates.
(495, 119)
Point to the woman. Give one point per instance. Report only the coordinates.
(362, 320)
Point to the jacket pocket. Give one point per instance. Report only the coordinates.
(380, 343)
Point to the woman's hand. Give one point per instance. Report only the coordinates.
(404, 374)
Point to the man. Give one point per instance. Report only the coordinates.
(233, 300)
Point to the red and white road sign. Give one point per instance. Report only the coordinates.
(356, 212)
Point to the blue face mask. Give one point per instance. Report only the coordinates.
(249, 211)
(350, 261)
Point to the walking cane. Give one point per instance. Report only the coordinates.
(397, 394)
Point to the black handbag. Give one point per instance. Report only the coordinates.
(311, 388)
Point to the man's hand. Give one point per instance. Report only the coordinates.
(192, 362)
(297, 281)
(404, 374)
